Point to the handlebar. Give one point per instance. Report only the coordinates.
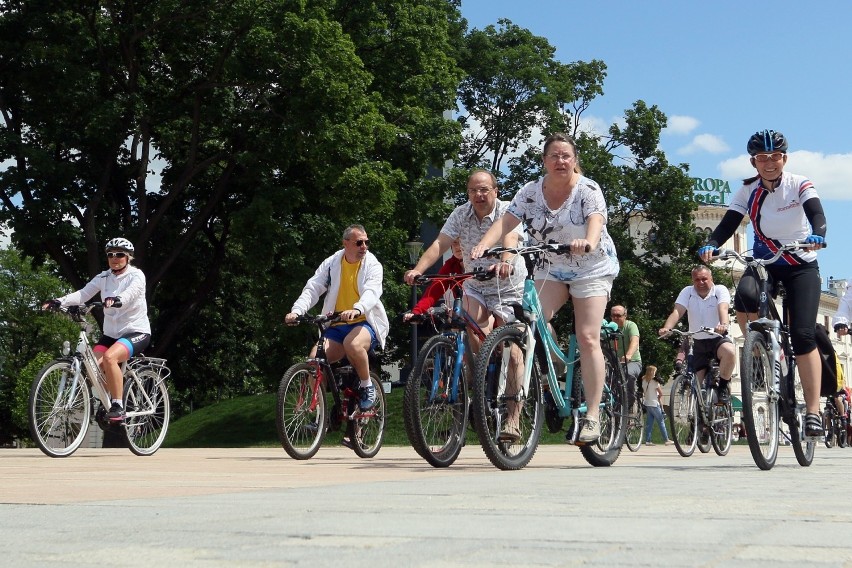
(320, 319)
(542, 248)
(725, 254)
(478, 274)
(679, 333)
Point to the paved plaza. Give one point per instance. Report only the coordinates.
(257, 507)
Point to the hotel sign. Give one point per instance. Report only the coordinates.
(710, 191)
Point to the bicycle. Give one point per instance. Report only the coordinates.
(694, 412)
(435, 404)
(770, 385)
(831, 423)
(65, 394)
(302, 420)
(542, 400)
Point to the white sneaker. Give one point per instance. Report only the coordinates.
(591, 431)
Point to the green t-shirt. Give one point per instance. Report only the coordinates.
(629, 331)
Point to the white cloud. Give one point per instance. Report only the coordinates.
(682, 125)
(830, 173)
(708, 143)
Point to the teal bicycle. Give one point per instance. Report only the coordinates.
(550, 388)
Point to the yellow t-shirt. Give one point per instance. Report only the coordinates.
(348, 294)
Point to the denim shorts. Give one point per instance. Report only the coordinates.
(338, 333)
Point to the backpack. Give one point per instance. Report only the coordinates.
(832, 371)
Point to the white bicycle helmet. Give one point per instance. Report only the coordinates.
(119, 244)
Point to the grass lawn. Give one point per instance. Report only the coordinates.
(250, 422)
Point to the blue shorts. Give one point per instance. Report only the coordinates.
(338, 333)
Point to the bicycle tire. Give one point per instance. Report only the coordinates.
(366, 428)
(490, 408)
(842, 438)
(760, 402)
(795, 417)
(613, 418)
(635, 431)
(683, 415)
(146, 402)
(705, 443)
(828, 426)
(59, 416)
(301, 418)
(721, 428)
(435, 419)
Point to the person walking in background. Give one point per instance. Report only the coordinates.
(653, 402)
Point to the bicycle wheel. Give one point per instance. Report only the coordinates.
(300, 414)
(842, 439)
(795, 418)
(635, 432)
(435, 417)
(492, 406)
(613, 415)
(705, 444)
(828, 426)
(366, 428)
(146, 402)
(683, 415)
(59, 409)
(760, 401)
(721, 428)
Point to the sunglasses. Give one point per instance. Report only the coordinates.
(774, 156)
(116, 254)
(360, 242)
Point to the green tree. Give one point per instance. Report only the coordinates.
(516, 94)
(26, 335)
(232, 143)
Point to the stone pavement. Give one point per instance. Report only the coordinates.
(257, 507)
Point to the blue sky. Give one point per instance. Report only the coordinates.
(720, 71)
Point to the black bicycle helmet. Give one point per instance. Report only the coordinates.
(766, 141)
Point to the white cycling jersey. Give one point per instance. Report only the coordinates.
(132, 316)
(844, 310)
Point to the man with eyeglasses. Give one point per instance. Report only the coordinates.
(488, 302)
(126, 330)
(629, 350)
(351, 280)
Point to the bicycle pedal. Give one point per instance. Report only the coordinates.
(813, 439)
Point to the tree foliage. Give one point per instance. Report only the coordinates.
(233, 142)
(26, 335)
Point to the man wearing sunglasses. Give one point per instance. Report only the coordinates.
(351, 280)
(127, 330)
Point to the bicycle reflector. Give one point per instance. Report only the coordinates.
(66, 348)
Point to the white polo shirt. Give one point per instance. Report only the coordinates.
(703, 312)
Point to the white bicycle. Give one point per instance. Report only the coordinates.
(69, 390)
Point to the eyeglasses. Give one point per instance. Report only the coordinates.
(360, 242)
(560, 157)
(618, 315)
(774, 156)
(479, 190)
(116, 254)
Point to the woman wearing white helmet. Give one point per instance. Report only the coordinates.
(127, 330)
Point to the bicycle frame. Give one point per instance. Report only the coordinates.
(535, 325)
(456, 325)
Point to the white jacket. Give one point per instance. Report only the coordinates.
(132, 316)
(326, 280)
(844, 310)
